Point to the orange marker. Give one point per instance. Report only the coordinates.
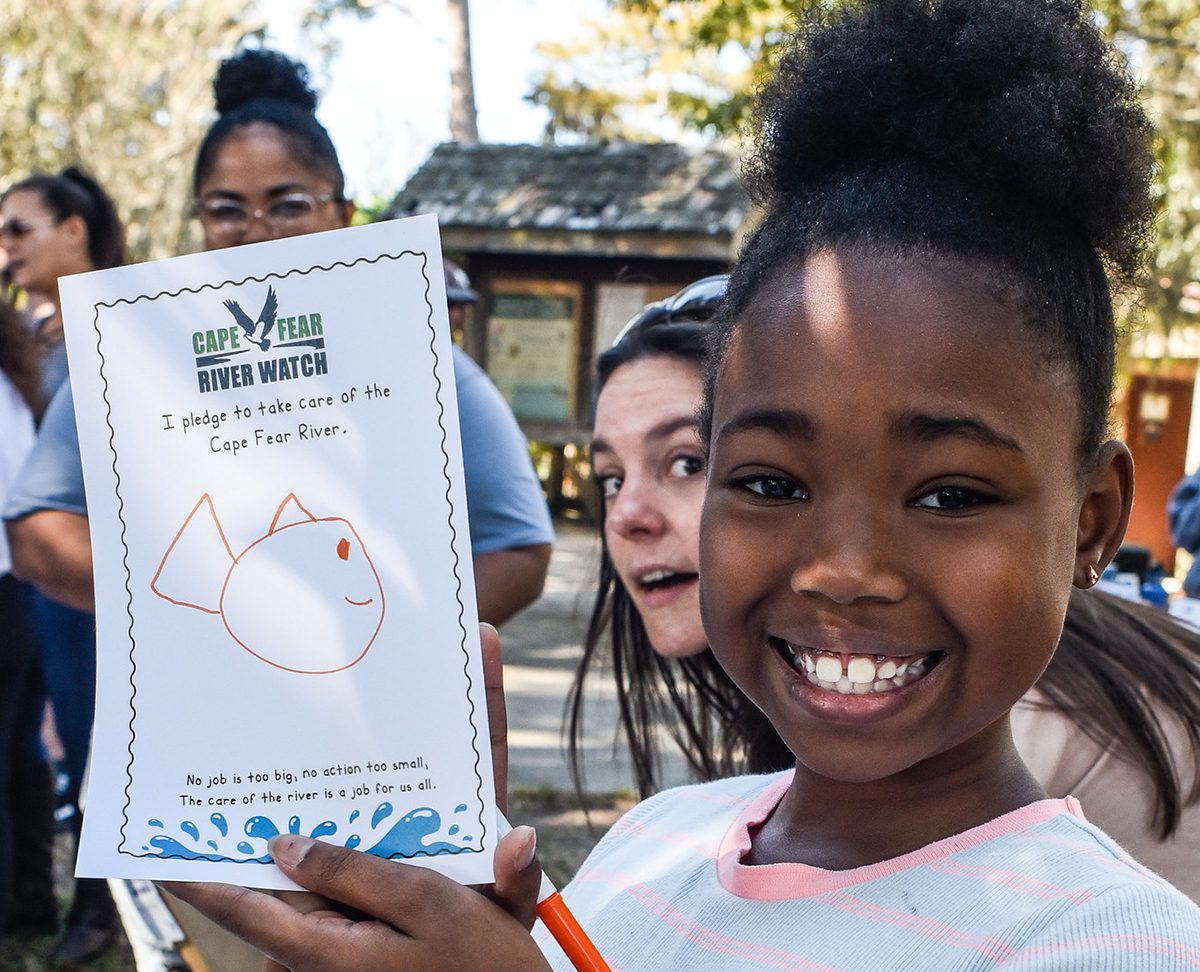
(563, 925)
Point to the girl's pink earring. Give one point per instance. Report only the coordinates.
(1092, 577)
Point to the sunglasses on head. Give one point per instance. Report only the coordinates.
(694, 304)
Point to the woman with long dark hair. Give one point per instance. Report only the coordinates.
(648, 467)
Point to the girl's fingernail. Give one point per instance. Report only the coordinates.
(289, 849)
(528, 850)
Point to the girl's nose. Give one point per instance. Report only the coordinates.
(634, 511)
(845, 564)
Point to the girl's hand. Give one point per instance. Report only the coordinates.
(418, 921)
(260, 917)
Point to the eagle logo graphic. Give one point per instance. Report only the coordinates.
(257, 331)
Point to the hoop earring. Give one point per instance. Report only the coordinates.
(1092, 577)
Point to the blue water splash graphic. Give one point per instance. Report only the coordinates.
(170, 847)
(408, 837)
(262, 827)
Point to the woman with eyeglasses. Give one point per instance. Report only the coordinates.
(267, 168)
(52, 226)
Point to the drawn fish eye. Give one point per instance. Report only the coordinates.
(343, 549)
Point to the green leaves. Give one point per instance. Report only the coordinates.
(122, 88)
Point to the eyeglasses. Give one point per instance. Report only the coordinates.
(227, 218)
(16, 229)
(696, 303)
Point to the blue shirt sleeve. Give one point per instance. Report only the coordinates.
(52, 477)
(505, 506)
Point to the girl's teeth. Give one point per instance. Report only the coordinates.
(861, 674)
(861, 671)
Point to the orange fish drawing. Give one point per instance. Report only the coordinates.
(304, 597)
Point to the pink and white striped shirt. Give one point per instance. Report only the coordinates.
(1037, 888)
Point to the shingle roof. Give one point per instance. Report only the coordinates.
(605, 187)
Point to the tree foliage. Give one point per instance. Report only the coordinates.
(658, 68)
(649, 68)
(1162, 37)
(121, 88)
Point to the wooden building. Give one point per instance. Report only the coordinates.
(564, 243)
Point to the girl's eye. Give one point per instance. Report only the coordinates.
(609, 486)
(774, 487)
(685, 466)
(951, 499)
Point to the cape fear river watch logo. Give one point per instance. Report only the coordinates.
(260, 350)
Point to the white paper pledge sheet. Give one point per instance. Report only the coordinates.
(286, 618)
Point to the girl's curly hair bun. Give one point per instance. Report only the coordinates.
(1022, 101)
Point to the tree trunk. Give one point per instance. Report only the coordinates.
(464, 125)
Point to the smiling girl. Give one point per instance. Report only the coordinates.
(909, 471)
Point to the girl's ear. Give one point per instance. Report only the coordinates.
(1107, 499)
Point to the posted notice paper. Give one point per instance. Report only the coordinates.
(286, 619)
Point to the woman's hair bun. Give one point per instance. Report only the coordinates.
(1014, 100)
(259, 73)
(78, 177)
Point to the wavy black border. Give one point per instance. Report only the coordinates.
(424, 257)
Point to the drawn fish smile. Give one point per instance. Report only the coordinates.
(359, 603)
